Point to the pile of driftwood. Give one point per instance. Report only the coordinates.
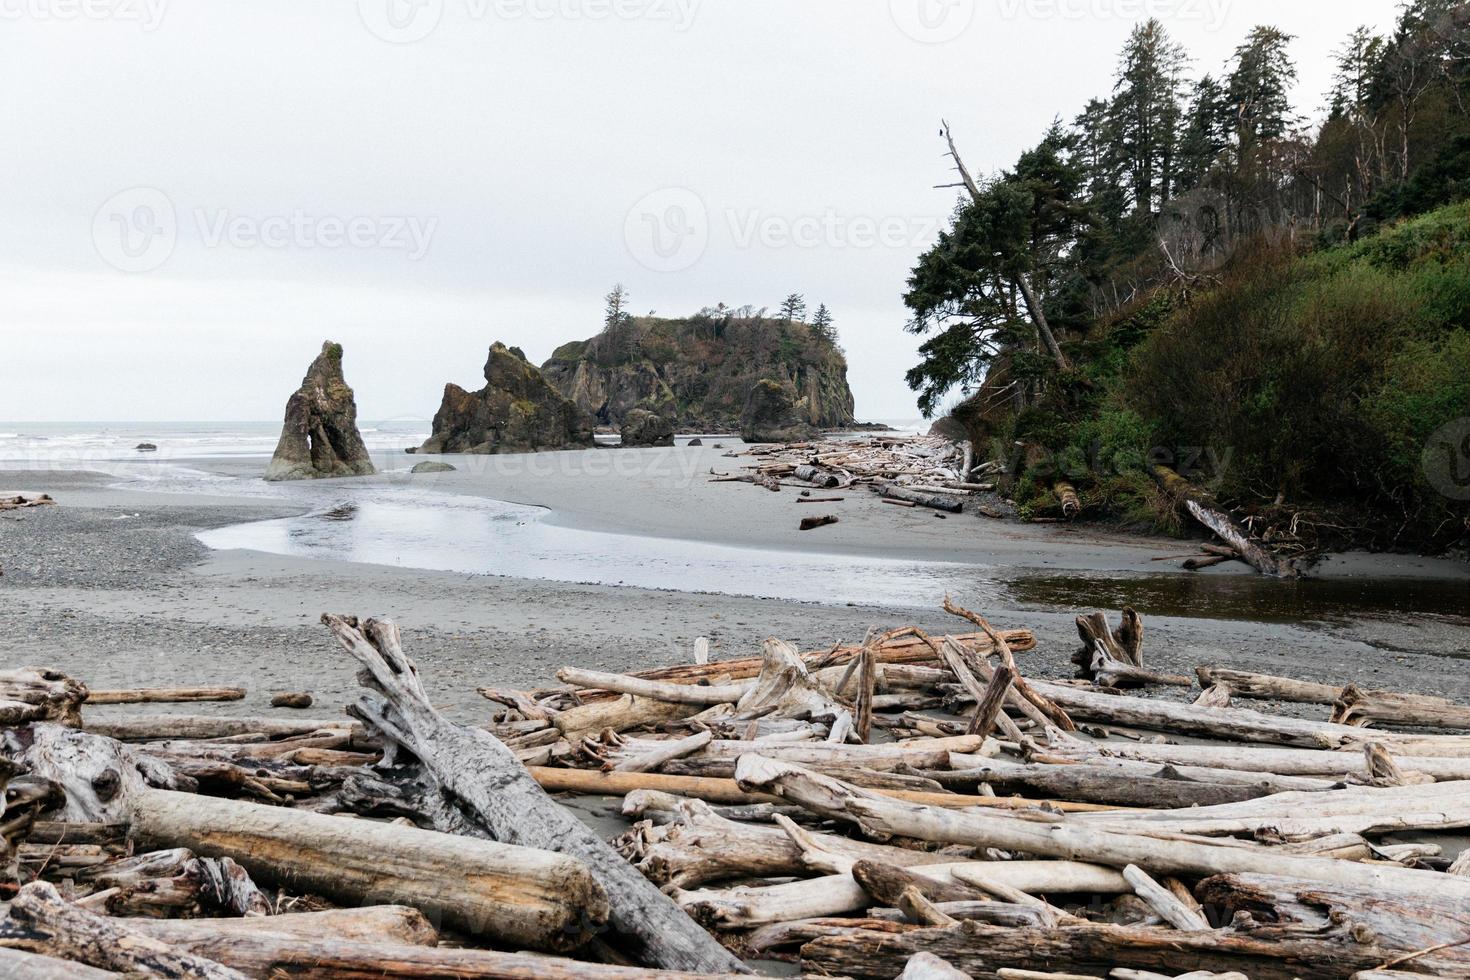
(909, 805)
(924, 471)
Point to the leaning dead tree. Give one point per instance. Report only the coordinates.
(488, 783)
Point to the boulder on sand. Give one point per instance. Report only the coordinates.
(320, 437)
(644, 428)
(770, 415)
(517, 411)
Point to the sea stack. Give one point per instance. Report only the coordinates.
(518, 411)
(319, 438)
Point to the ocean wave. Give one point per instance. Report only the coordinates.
(9, 435)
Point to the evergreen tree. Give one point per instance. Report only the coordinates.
(1206, 132)
(822, 326)
(1146, 113)
(617, 324)
(793, 308)
(1259, 88)
(1357, 64)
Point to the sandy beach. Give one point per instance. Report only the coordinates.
(113, 585)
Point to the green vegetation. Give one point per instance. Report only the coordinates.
(700, 368)
(1185, 275)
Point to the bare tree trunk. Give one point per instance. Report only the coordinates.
(498, 792)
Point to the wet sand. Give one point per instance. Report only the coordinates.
(113, 587)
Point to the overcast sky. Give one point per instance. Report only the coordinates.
(198, 193)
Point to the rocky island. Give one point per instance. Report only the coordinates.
(698, 372)
(517, 411)
(319, 438)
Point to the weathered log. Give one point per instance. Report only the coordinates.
(887, 883)
(157, 727)
(98, 775)
(1240, 724)
(530, 897)
(271, 955)
(1173, 911)
(812, 523)
(825, 479)
(398, 924)
(41, 922)
(700, 846)
(619, 714)
(1067, 837)
(1267, 687)
(33, 694)
(838, 894)
(937, 501)
(1202, 508)
(1162, 788)
(17, 964)
(291, 699)
(1259, 783)
(1260, 759)
(1357, 706)
(52, 832)
(165, 695)
(1094, 950)
(991, 703)
(1398, 922)
(497, 792)
(654, 758)
(711, 790)
(694, 694)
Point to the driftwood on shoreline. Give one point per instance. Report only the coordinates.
(909, 805)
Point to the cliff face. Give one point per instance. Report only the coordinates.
(699, 372)
(320, 438)
(516, 412)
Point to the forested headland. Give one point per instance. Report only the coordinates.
(1272, 299)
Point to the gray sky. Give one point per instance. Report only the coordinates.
(198, 193)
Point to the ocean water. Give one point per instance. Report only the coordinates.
(55, 444)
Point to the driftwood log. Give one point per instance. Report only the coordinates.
(530, 897)
(497, 792)
(31, 694)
